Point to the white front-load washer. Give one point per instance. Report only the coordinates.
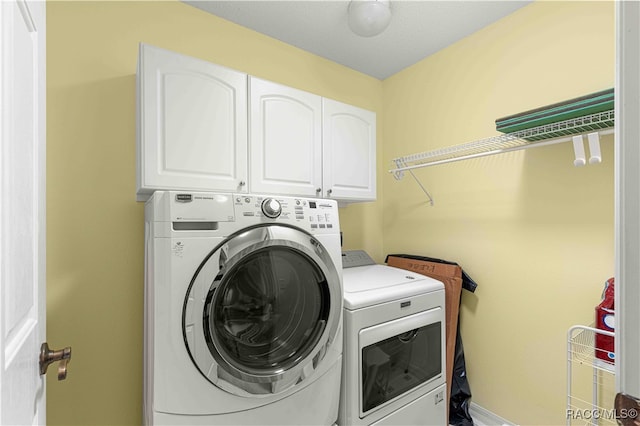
(243, 309)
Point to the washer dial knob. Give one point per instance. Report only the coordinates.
(271, 208)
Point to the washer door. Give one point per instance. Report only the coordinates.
(262, 309)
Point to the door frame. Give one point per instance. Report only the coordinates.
(627, 193)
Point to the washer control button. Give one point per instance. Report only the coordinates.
(271, 208)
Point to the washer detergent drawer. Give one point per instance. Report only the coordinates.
(399, 356)
(429, 409)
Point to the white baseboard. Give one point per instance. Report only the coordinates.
(483, 417)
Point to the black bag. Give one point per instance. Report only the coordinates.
(460, 389)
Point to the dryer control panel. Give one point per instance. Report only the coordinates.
(312, 214)
(355, 258)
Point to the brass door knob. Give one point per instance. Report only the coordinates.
(48, 356)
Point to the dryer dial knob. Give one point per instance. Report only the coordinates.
(271, 208)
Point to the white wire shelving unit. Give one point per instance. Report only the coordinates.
(590, 379)
(601, 123)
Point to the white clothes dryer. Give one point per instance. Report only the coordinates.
(243, 310)
(394, 351)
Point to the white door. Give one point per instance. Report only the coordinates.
(285, 140)
(628, 198)
(349, 152)
(192, 124)
(22, 210)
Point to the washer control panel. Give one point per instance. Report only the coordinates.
(309, 213)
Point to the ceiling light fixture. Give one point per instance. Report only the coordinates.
(368, 18)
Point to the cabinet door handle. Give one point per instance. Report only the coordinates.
(242, 183)
(329, 191)
(318, 190)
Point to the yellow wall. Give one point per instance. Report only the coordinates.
(95, 227)
(535, 232)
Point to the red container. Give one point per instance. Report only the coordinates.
(605, 320)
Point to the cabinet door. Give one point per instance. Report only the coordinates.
(285, 139)
(192, 124)
(349, 152)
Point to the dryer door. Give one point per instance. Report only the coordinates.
(262, 309)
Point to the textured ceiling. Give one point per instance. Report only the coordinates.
(418, 28)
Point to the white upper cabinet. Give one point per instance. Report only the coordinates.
(204, 127)
(285, 142)
(349, 152)
(192, 124)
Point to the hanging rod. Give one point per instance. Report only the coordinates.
(544, 135)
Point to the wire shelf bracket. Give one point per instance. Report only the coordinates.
(400, 164)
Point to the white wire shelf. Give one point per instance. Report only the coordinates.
(582, 347)
(548, 134)
(590, 379)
